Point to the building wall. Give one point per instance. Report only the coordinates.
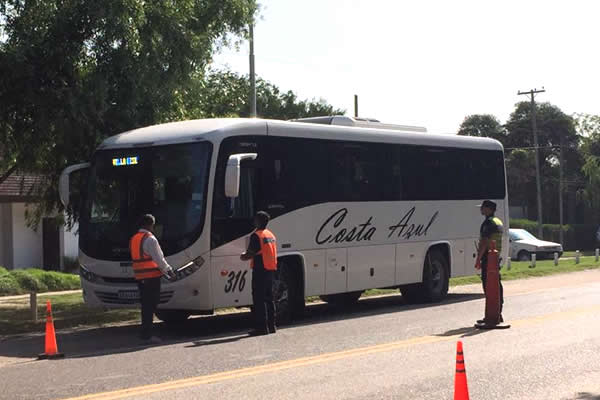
(70, 240)
(27, 243)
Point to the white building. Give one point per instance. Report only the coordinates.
(23, 247)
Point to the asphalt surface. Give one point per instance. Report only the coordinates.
(378, 349)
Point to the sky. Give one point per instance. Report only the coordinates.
(428, 63)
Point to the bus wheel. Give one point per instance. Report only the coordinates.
(435, 276)
(434, 287)
(342, 299)
(287, 293)
(172, 316)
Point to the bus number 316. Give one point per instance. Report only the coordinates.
(236, 281)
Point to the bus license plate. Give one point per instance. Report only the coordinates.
(129, 294)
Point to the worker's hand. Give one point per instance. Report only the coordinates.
(477, 264)
(171, 275)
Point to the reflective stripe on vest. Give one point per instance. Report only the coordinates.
(497, 236)
(268, 249)
(143, 266)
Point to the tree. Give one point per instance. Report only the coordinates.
(76, 71)
(482, 125)
(520, 173)
(588, 127)
(224, 93)
(555, 129)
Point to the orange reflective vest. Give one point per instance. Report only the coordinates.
(268, 249)
(143, 265)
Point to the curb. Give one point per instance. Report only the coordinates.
(26, 296)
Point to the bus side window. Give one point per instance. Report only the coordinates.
(355, 172)
(393, 169)
(295, 174)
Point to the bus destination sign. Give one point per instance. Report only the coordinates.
(118, 162)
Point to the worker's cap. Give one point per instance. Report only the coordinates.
(488, 204)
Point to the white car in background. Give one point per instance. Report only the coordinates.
(523, 244)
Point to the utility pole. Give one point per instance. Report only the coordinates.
(355, 106)
(532, 93)
(252, 77)
(560, 192)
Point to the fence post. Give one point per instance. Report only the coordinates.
(533, 258)
(33, 305)
(576, 256)
(555, 259)
(508, 263)
(597, 254)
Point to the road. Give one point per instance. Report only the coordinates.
(378, 349)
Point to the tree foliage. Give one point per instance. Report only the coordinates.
(588, 127)
(482, 125)
(224, 93)
(73, 72)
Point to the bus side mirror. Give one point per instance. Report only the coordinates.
(63, 181)
(232, 173)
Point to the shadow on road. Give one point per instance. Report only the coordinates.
(203, 331)
(464, 332)
(587, 396)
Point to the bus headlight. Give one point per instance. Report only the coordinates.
(188, 269)
(86, 274)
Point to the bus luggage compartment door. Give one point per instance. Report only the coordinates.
(336, 275)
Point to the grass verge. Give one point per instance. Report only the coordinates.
(69, 310)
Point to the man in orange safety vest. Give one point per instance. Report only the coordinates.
(149, 265)
(262, 251)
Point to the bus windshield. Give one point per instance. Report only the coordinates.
(169, 182)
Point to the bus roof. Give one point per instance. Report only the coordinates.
(218, 128)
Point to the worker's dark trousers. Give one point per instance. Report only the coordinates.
(262, 298)
(149, 298)
(484, 277)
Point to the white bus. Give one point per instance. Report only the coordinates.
(353, 208)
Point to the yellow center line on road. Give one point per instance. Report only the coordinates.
(312, 360)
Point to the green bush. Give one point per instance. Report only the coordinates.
(8, 284)
(576, 236)
(56, 281)
(28, 282)
(34, 279)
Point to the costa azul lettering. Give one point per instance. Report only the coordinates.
(329, 232)
(406, 229)
(335, 230)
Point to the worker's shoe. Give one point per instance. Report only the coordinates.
(482, 321)
(272, 328)
(258, 332)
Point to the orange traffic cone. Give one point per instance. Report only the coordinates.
(51, 351)
(461, 391)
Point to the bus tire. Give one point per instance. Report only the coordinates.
(342, 299)
(436, 278)
(287, 293)
(172, 316)
(434, 287)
